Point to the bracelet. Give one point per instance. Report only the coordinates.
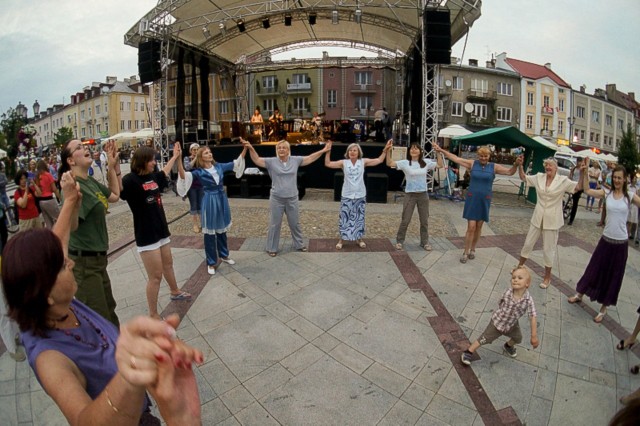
(114, 408)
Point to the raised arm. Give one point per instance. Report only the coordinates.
(327, 159)
(177, 153)
(502, 170)
(379, 160)
(114, 175)
(595, 193)
(68, 217)
(390, 161)
(308, 159)
(257, 160)
(521, 173)
(467, 164)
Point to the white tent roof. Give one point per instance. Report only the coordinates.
(611, 157)
(563, 149)
(546, 143)
(212, 26)
(453, 131)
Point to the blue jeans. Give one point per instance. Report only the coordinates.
(215, 245)
(591, 200)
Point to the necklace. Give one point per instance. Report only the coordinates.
(79, 338)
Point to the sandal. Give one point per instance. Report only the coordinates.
(545, 284)
(362, 244)
(621, 346)
(635, 369)
(303, 249)
(183, 295)
(575, 299)
(427, 247)
(398, 246)
(339, 245)
(463, 258)
(272, 253)
(472, 255)
(600, 317)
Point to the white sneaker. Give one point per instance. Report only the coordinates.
(211, 269)
(228, 260)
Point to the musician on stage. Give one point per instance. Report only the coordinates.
(258, 122)
(316, 123)
(276, 124)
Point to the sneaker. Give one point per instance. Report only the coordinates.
(466, 357)
(510, 350)
(19, 355)
(211, 269)
(228, 260)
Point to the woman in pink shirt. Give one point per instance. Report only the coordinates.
(47, 184)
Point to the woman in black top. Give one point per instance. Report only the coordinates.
(142, 189)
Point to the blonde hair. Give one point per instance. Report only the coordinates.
(525, 269)
(197, 161)
(285, 143)
(484, 151)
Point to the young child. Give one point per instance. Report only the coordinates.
(514, 303)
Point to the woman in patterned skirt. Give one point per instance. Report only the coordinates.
(354, 193)
(478, 200)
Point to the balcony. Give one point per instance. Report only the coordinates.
(267, 91)
(299, 88)
(487, 95)
(546, 110)
(480, 121)
(363, 88)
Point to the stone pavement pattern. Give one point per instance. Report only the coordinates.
(373, 336)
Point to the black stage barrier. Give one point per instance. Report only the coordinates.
(316, 174)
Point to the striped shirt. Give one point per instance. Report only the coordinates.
(511, 309)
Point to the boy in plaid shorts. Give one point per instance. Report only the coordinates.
(514, 303)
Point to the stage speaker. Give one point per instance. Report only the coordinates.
(437, 27)
(202, 134)
(149, 61)
(338, 181)
(377, 184)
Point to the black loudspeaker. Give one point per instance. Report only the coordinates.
(149, 61)
(202, 134)
(338, 181)
(377, 185)
(437, 25)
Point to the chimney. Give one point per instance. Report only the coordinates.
(325, 55)
(583, 88)
(111, 79)
(473, 62)
(491, 64)
(548, 65)
(632, 95)
(454, 60)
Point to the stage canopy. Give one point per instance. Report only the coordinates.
(215, 27)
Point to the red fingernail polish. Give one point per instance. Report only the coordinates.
(159, 357)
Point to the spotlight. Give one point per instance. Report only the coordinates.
(223, 29)
(334, 17)
(287, 19)
(312, 18)
(265, 23)
(358, 16)
(206, 32)
(241, 26)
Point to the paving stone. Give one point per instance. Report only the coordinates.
(351, 358)
(417, 396)
(401, 414)
(569, 409)
(301, 359)
(270, 379)
(538, 412)
(450, 412)
(237, 399)
(392, 382)
(255, 414)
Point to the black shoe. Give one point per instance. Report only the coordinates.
(510, 350)
(466, 357)
(570, 223)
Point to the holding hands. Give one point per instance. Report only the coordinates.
(177, 150)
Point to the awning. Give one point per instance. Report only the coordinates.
(453, 131)
(546, 143)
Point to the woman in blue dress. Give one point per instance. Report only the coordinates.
(216, 213)
(478, 200)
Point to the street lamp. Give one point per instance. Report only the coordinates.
(571, 121)
(36, 108)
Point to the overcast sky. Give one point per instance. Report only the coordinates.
(52, 49)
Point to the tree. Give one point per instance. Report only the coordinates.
(10, 124)
(63, 135)
(628, 151)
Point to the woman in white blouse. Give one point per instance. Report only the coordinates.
(354, 193)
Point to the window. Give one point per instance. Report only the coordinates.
(331, 75)
(98, 128)
(141, 106)
(269, 82)
(580, 112)
(332, 98)
(300, 78)
(504, 114)
(530, 96)
(620, 124)
(545, 124)
(608, 120)
(106, 127)
(121, 124)
(582, 135)
(591, 137)
(268, 106)
(128, 124)
(595, 116)
(560, 90)
(83, 132)
(364, 77)
(456, 109)
(128, 106)
(135, 105)
(480, 86)
(363, 103)
(480, 110)
(546, 101)
(597, 137)
(172, 91)
(82, 115)
(172, 113)
(505, 89)
(224, 84)
(560, 127)
(561, 105)
(458, 83)
(440, 107)
(187, 89)
(135, 123)
(106, 109)
(97, 109)
(529, 121)
(530, 83)
(224, 107)
(300, 104)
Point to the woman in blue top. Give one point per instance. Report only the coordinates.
(415, 169)
(216, 213)
(478, 199)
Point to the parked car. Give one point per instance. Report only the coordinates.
(565, 164)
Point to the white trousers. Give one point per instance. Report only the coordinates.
(549, 244)
(8, 327)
